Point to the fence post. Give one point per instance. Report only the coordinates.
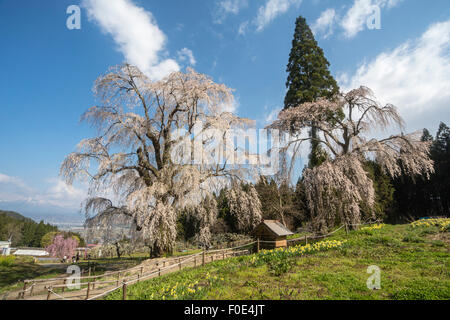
(142, 271)
(257, 245)
(22, 295)
(93, 283)
(63, 288)
(89, 274)
(159, 272)
(124, 291)
(118, 278)
(32, 287)
(223, 255)
(49, 292)
(195, 261)
(179, 262)
(88, 290)
(203, 258)
(306, 239)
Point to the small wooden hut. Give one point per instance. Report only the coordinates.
(271, 230)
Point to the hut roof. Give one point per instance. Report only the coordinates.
(29, 252)
(275, 227)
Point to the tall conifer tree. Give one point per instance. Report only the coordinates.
(308, 78)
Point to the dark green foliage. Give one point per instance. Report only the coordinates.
(308, 74)
(419, 197)
(225, 215)
(280, 202)
(24, 232)
(308, 79)
(187, 226)
(384, 191)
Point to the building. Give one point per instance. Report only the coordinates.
(273, 231)
(5, 247)
(31, 252)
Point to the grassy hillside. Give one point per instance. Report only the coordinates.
(414, 263)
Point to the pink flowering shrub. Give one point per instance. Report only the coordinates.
(61, 247)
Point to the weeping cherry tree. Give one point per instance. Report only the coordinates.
(339, 189)
(151, 156)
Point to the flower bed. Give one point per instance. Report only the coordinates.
(442, 223)
(374, 227)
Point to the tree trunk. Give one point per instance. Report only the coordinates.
(117, 249)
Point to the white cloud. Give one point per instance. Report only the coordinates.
(227, 7)
(231, 107)
(136, 33)
(272, 115)
(272, 9)
(324, 24)
(56, 194)
(243, 28)
(415, 77)
(356, 17)
(186, 54)
(5, 179)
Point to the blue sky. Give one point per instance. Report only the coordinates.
(48, 70)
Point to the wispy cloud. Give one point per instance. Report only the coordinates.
(232, 107)
(226, 7)
(415, 77)
(243, 28)
(272, 115)
(271, 10)
(135, 32)
(325, 23)
(56, 193)
(5, 179)
(186, 54)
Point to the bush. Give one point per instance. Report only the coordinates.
(7, 261)
(279, 267)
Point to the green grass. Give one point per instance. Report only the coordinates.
(22, 268)
(13, 270)
(414, 264)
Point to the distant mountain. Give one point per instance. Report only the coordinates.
(23, 231)
(49, 214)
(14, 215)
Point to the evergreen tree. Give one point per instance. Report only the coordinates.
(308, 78)
(422, 197)
(384, 192)
(279, 202)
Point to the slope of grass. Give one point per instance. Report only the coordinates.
(13, 270)
(414, 263)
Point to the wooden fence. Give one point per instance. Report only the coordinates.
(120, 279)
(112, 281)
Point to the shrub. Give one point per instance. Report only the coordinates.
(442, 223)
(279, 267)
(7, 261)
